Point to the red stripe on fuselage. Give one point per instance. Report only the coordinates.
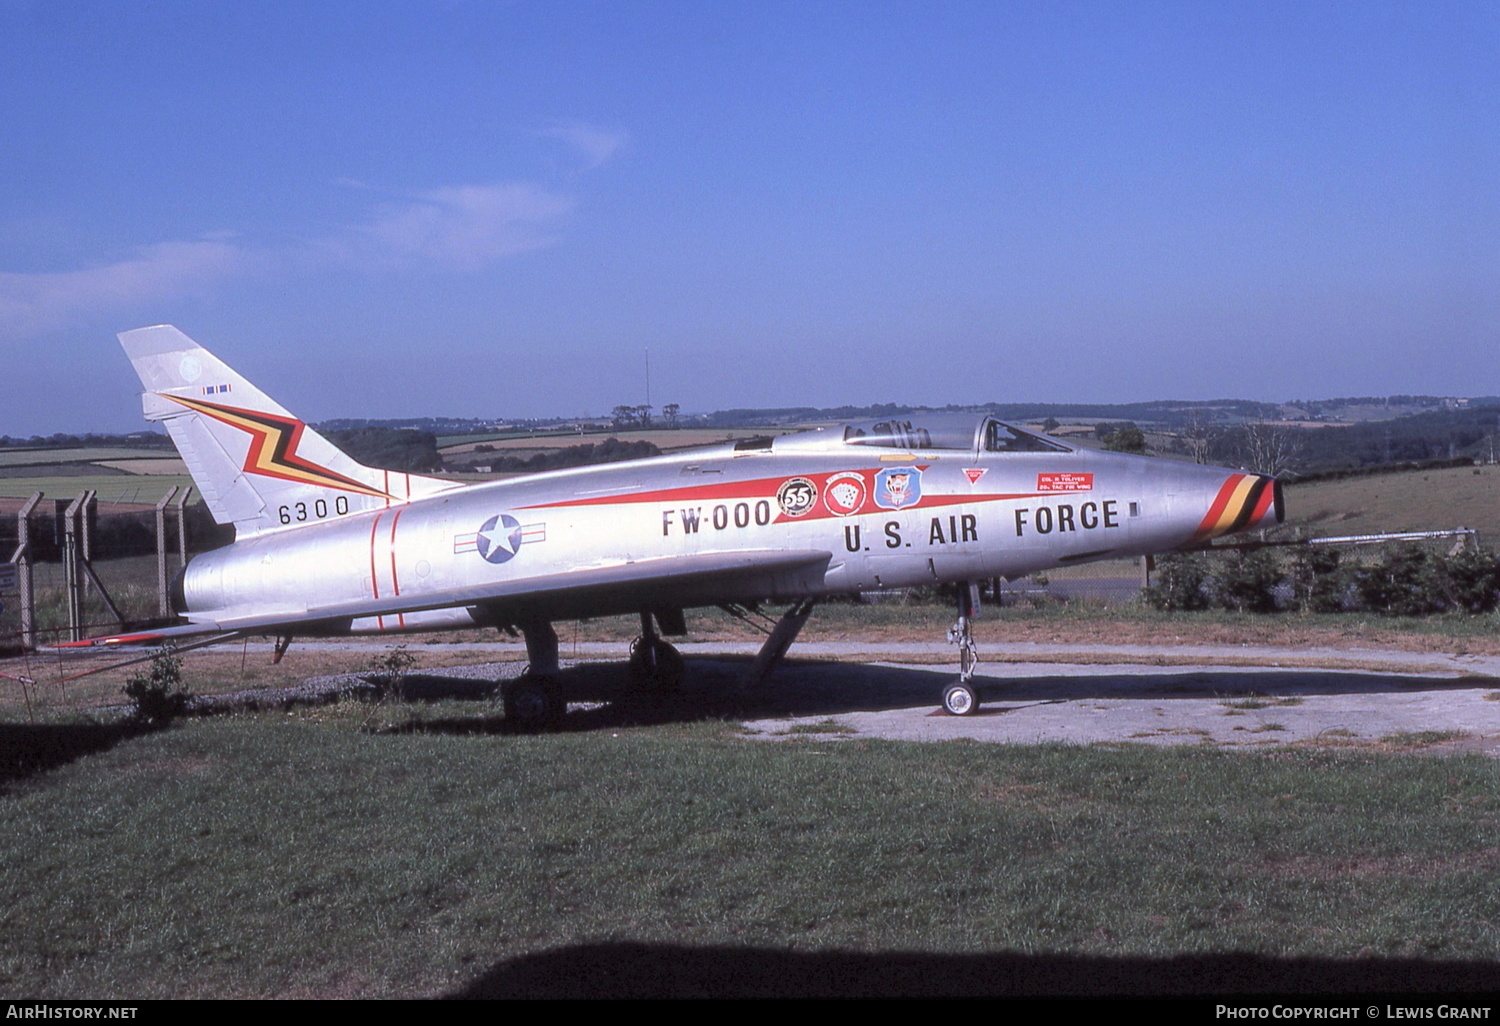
(767, 487)
(395, 584)
(374, 581)
(758, 489)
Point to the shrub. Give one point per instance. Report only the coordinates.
(1179, 582)
(1473, 580)
(1246, 581)
(1407, 581)
(391, 669)
(1319, 580)
(157, 691)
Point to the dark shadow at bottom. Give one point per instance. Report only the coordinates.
(27, 749)
(631, 970)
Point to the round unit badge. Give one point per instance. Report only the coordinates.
(797, 496)
(844, 494)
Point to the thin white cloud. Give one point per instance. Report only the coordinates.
(596, 145)
(166, 270)
(461, 227)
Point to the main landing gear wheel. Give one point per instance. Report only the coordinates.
(961, 699)
(533, 704)
(656, 665)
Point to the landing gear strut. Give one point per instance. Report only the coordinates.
(654, 664)
(534, 701)
(779, 636)
(961, 698)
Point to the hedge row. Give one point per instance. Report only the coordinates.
(1407, 580)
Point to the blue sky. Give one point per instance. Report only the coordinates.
(495, 209)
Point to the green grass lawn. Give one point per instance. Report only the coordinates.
(1415, 500)
(27, 457)
(112, 488)
(359, 850)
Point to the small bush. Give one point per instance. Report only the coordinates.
(1473, 580)
(157, 691)
(1407, 581)
(1246, 581)
(391, 670)
(1180, 582)
(1319, 580)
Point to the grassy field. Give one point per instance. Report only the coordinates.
(1420, 500)
(118, 487)
(359, 850)
(31, 457)
(170, 465)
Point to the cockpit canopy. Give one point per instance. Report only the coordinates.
(919, 432)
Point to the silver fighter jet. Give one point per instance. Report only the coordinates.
(324, 545)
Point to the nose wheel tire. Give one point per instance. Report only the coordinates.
(961, 699)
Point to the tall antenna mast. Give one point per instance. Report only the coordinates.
(648, 375)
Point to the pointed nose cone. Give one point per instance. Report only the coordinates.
(1241, 502)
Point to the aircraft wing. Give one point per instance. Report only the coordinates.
(151, 636)
(679, 582)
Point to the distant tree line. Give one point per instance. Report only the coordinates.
(405, 449)
(1423, 440)
(1438, 434)
(1166, 412)
(611, 450)
(139, 440)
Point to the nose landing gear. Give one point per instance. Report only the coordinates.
(961, 698)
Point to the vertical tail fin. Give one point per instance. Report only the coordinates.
(258, 467)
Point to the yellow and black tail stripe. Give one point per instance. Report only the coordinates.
(1242, 501)
(273, 447)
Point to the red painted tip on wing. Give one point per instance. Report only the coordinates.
(114, 639)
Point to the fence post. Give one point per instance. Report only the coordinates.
(72, 579)
(161, 552)
(88, 517)
(23, 559)
(182, 525)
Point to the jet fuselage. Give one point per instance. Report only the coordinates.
(887, 509)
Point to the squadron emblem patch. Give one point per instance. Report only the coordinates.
(797, 496)
(898, 487)
(844, 494)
